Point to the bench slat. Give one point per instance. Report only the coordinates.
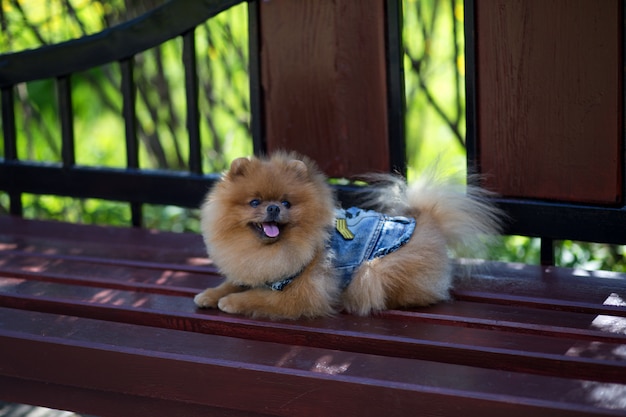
(139, 276)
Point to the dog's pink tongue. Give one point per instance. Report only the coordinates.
(270, 229)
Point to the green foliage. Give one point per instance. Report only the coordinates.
(517, 249)
(434, 85)
(4, 203)
(591, 256)
(172, 218)
(87, 211)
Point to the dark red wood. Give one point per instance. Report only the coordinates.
(541, 303)
(550, 98)
(124, 244)
(451, 344)
(116, 274)
(507, 326)
(106, 403)
(546, 340)
(324, 82)
(210, 370)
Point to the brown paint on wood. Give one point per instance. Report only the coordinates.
(324, 82)
(550, 98)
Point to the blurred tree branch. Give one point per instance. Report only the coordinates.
(427, 16)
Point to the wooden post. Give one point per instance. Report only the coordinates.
(324, 81)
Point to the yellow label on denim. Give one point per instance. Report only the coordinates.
(342, 227)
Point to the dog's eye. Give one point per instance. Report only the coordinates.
(255, 202)
(285, 203)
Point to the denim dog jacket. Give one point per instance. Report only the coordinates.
(363, 235)
(359, 236)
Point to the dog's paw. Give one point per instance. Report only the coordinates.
(207, 298)
(231, 304)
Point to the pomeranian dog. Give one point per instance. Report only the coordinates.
(274, 230)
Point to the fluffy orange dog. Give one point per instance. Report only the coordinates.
(273, 228)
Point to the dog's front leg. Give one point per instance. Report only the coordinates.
(297, 300)
(211, 296)
(258, 302)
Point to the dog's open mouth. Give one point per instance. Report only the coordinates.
(268, 230)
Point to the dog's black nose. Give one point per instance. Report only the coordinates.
(273, 210)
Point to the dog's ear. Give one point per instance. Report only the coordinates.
(238, 166)
(299, 167)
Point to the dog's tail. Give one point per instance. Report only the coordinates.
(464, 214)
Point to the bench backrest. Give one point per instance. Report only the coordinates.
(545, 114)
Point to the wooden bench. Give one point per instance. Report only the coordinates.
(100, 320)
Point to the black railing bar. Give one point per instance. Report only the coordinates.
(10, 145)
(396, 106)
(137, 186)
(560, 220)
(192, 93)
(546, 251)
(129, 113)
(254, 71)
(15, 204)
(471, 134)
(136, 214)
(66, 117)
(8, 124)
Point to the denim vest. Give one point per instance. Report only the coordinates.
(369, 235)
(359, 236)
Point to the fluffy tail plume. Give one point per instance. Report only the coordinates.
(463, 213)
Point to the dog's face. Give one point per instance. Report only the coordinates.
(269, 218)
(274, 211)
(265, 194)
(268, 200)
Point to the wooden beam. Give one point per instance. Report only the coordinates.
(323, 68)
